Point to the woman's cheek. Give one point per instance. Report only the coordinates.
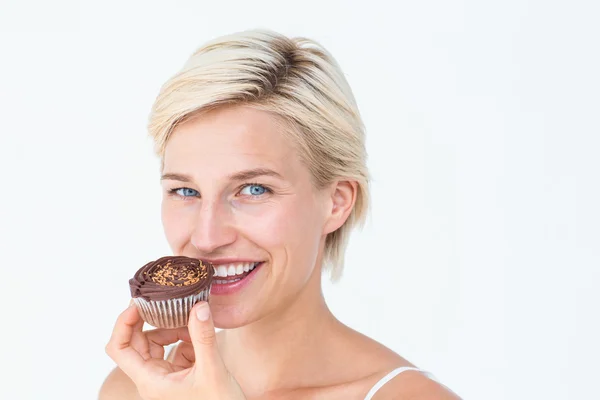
(177, 220)
(262, 223)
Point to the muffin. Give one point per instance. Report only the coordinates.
(165, 290)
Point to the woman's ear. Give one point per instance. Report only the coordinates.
(343, 197)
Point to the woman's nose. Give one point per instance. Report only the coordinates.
(213, 228)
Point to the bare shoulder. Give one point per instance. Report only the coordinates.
(118, 386)
(414, 385)
(378, 360)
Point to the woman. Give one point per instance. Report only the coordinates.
(263, 164)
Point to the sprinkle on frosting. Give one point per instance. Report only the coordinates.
(171, 277)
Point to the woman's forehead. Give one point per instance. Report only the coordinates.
(235, 138)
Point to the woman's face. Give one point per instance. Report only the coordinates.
(236, 194)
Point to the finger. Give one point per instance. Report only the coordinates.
(182, 356)
(166, 336)
(119, 346)
(138, 340)
(158, 338)
(204, 338)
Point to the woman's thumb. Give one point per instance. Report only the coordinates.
(204, 337)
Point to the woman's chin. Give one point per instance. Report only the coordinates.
(234, 303)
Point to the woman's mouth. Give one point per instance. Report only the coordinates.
(230, 273)
(230, 278)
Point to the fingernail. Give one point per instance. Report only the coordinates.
(202, 311)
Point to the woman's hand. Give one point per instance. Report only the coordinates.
(199, 374)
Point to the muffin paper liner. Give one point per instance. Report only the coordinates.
(172, 313)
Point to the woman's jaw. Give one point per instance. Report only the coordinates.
(266, 292)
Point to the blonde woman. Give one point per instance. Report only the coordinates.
(263, 165)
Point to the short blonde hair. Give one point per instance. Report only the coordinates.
(298, 81)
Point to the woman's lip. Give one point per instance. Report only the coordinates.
(234, 287)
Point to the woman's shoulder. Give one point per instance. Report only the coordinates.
(407, 380)
(414, 385)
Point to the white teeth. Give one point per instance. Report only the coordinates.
(233, 270)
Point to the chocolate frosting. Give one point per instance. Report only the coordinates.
(171, 277)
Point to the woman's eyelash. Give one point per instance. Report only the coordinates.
(174, 191)
(245, 185)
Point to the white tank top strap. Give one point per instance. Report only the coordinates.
(391, 376)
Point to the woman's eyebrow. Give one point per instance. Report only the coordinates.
(238, 176)
(253, 173)
(176, 177)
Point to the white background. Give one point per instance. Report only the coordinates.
(480, 262)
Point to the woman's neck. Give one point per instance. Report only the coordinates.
(281, 349)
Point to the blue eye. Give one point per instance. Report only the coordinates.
(254, 190)
(185, 192)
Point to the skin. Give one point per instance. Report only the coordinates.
(278, 331)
